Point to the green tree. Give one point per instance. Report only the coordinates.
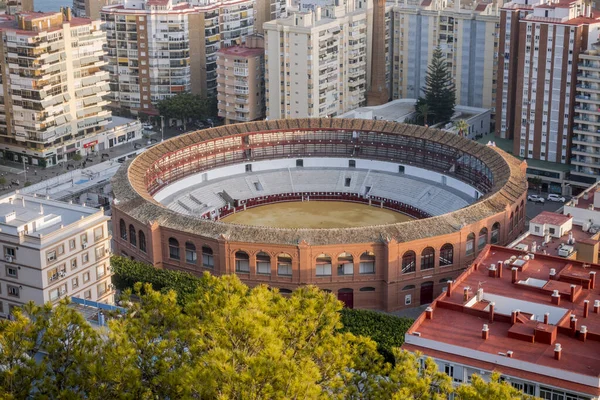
(185, 106)
(479, 389)
(2, 180)
(439, 92)
(462, 126)
(423, 112)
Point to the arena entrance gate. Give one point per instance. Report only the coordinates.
(426, 292)
(346, 296)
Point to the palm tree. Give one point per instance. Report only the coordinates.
(462, 126)
(423, 111)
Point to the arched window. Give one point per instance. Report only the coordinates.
(123, 229)
(142, 241)
(263, 263)
(427, 258)
(408, 287)
(495, 233)
(522, 210)
(173, 249)
(284, 264)
(345, 264)
(367, 263)
(470, 245)
(323, 265)
(132, 235)
(446, 255)
(516, 220)
(510, 223)
(367, 289)
(242, 262)
(285, 291)
(190, 253)
(445, 280)
(208, 260)
(409, 262)
(482, 241)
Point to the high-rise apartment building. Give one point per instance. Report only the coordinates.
(316, 62)
(468, 37)
(53, 86)
(52, 250)
(241, 83)
(16, 6)
(586, 123)
(537, 69)
(90, 8)
(159, 48)
(269, 10)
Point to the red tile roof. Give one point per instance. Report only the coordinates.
(547, 217)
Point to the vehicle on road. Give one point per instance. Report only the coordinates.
(555, 197)
(535, 198)
(148, 126)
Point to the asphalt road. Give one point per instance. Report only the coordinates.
(533, 209)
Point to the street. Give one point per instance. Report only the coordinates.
(533, 209)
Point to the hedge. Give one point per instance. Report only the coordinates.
(385, 329)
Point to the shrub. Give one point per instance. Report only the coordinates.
(385, 329)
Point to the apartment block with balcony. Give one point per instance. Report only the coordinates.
(468, 37)
(54, 87)
(316, 62)
(269, 10)
(90, 8)
(159, 48)
(14, 7)
(52, 250)
(241, 85)
(585, 149)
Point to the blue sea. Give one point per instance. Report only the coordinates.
(50, 5)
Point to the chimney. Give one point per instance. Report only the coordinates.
(509, 354)
(586, 308)
(583, 333)
(513, 316)
(23, 198)
(465, 294)
(491, 317)
(492, 271)
(479, 294)
(485, 332)
(573, 293)
(552, 273)
(378, 92)
(592, 279)
(596, 306)
(573, 325)
(557, 351)
(317, 14)
(515, 274)
(555, 297)
(499, 269)
(449, 289)
(69, 16)
(429, 313)
(546, 318)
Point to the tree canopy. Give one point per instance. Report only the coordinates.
(185, 106)
(439, 93)
(228, 341)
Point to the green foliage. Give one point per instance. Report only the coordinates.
(77, 157)
(2, 180)
(439, 93)
(479, 389)
(27, 184)
(462, 126)
(185, 106)
(386, 330)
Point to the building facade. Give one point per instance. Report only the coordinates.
(53, 86)
(16, 6)
(159, 48)
(269, 10)
(52, 250)
(537, 75)
(468, 37)
(241, 82)
(90, 8)
(316, 62)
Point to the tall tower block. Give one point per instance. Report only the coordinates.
(378, 93)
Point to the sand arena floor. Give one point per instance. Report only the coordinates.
(316, 214)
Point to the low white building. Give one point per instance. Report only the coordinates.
(549, 224)
(119, 131)
(52, 250)
(585, 209)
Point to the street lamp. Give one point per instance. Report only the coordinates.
(162, 128)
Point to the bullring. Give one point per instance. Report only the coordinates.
(388, 266)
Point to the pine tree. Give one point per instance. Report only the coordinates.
(439, 91)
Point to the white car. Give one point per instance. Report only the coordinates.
(535, 198)
(555, 197)
(148, 126)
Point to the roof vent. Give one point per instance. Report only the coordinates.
(557, 351)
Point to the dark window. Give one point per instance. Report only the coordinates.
(408, 287)
(242, 262)
(173, 249)
(208, 260)
(263, 263)
(367, 289)
(409, 262)
(495, 233)
(446, 255)
(400, 169)
(132, 235)
(427, 258)
(190, 253)
(352, 163)
(248, 167)
(299, 163)
(142, 240)
(347, 182)
(482, 241)
(123, 229)
(284, 265)
(470, 245)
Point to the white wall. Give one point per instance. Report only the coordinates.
(314, 162)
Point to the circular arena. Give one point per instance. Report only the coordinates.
(380, 213)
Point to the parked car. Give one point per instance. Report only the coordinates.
(535, 198)
(148, 126)
(555, 197)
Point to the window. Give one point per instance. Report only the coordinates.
(72, 244)
(12, 272)
(99, 233)
(407, 299)
(75, 282)
(242, 262)
(85, 258)
(351, 163)
(123, 229)
(13, 291)
(99, 253)
(87, 294)
(284, 265)
(510, 223)
(101, 288)
(367, 263)
(345, 264)
(409, 262)
(190, 253)
(248, 167)
(552, 231)
(142, 241)
(495, 233)
(401, 169)
(347, 182)
(367, 289)
(208, 260)
(84, 240)
(299, 163)
(51, 256)
(482, 241)
(100, 271)
(427, 258)
(470, 245)
(10, 252)
(132, 236)
(446, 255)
(263, 263)
(173, 249)
(323, 265)
(86, 277)
(61, 249)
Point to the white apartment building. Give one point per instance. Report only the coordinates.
(316, 62)
(159, 48)
(52, 250)
(466, 34)
(53, 86)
